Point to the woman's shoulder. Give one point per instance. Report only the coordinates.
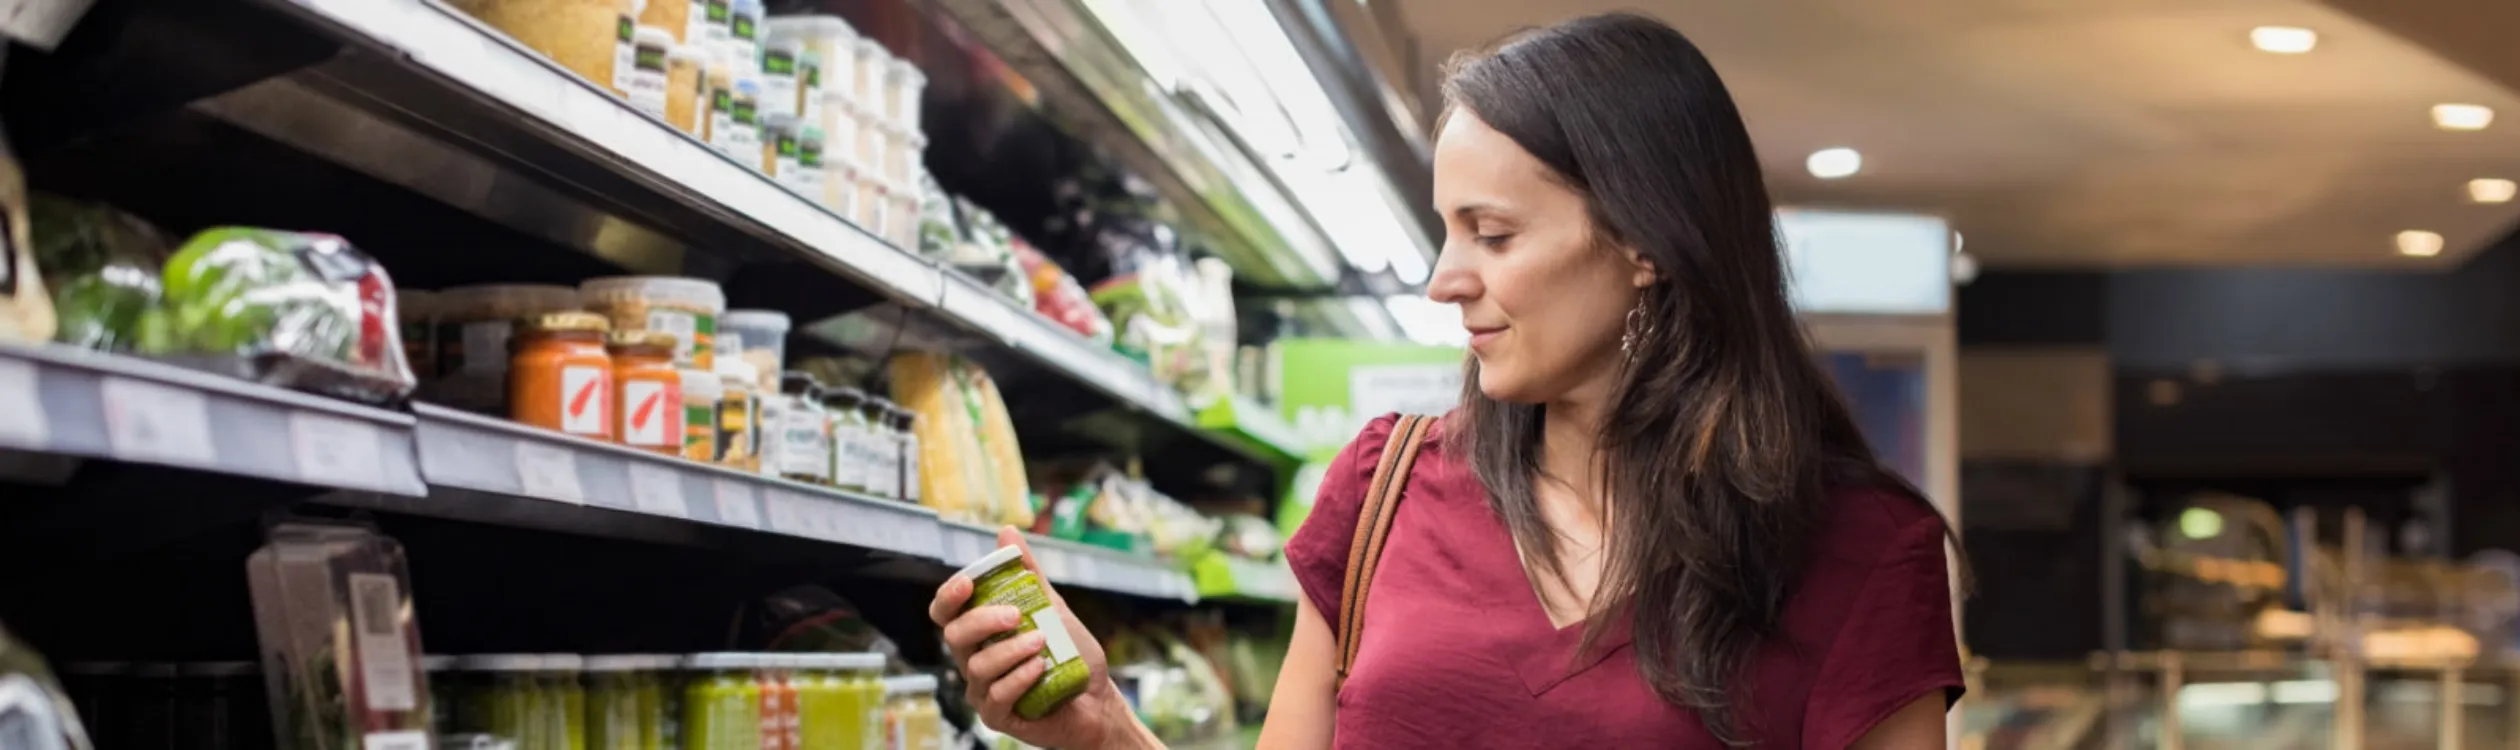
(1319, 549)
(1865, 526)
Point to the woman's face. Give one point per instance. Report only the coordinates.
(1545, 301)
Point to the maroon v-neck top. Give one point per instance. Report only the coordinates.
(1457, 652)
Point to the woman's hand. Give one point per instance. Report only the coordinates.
(996, 675)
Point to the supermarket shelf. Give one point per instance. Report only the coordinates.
(482, 454)
(86, 404)
(1222, 576)
(1069, 564)
(459, 112)
(1257, 426)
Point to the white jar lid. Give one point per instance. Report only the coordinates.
(991, 561)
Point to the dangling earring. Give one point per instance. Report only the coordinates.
(1636, 329)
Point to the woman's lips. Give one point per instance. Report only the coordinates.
(1480, 337)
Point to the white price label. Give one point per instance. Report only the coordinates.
(336, 451)
(1054, 563)
(411, 740)
(1089, 571)
(548, 472)
(149, 422)
(22, 421)
(787, 513)
(657, 490)
(735, 504)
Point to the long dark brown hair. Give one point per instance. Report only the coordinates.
(1728, 436)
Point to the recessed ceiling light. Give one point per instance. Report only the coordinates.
(1834, 163)
(2284, 40)
(2462, 116)
(2492, 190)
(2417, 243)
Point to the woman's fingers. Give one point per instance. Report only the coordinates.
(963, 634)
(992, 662)
(949, 600)
(1003, 693)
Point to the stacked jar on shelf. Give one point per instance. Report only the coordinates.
(635, 360)
(713, 701)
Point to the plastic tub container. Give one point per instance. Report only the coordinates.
(874, 200)
(872, 136)
(840, 186)
(686, 86)
(685, 307)
(759, 337)
(830, 41)
(904, 229)
(474, 326)
(1000, 578)
(807, 179)
(912, 719)
(904, 156)
(903, 85)
(701, 392)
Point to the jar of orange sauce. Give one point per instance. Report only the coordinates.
(650, 385)
(559, 377)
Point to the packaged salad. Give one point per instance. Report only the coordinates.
(340, 644)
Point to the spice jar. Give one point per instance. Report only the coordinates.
(559, 377)
(778, 146)
(717, 100)
(849, 466)
(906, 439)
(701, 392)
(711, 20)
(780, 53)
(743, 120)
(685, 86)
(909, 204)
(883, 449)
(809, 86)
(903, 85)
(648, 413)
(585, 36)
(806, 175)
(648, 84)
(743, 37)
(866, 75)
(474, 324)
(803, 443)
(739, 416)
(625, 46)
(687, 308)
(1001, 578)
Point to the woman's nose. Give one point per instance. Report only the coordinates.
(1453, 282)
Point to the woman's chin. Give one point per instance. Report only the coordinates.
(1505, 388)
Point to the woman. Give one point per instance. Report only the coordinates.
(1651, 522)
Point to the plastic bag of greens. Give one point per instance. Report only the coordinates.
(306, 311)
(103, 265)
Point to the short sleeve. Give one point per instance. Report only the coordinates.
(1895, 645)
(1318, 552)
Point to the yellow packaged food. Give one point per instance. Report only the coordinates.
(997, 442)
(953, 470)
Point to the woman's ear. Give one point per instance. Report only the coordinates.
(1643, 273)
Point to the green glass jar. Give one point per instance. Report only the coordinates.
(566, 721)
(612, 704)
(504, 699)
(1001, 578)
(722, 703)
(848, 438)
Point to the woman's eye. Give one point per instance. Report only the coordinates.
(1491, 240)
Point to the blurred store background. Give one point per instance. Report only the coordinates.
(2199, 316)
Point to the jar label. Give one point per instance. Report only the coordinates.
(778, 81)
(846, 470)
(645, 87)
(883, 466)
(711, 18)
(804, 443)
(649, 409)
(1054, 632)
(700, 427)
(625, 52)
(583, 400)
(385, 668)
(739, 433)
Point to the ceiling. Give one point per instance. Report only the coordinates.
(2070, 133)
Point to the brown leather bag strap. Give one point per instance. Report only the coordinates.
(1373, 525)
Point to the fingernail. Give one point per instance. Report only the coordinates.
(1035, 641)
(1045, 663)
(1012, 618)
